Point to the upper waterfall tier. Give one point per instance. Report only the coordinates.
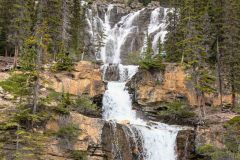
(115, 31)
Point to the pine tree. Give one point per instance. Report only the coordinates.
(215, 30)
(193, 21)
(52, 19)
(5, 17)
(231, 46)
(174, 35)
(77, 25)
(20, 25)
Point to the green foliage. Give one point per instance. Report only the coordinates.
(134, 58)
(206, 149)
(222, 155)
(31, 144)
(62, 102)
(177, 110)
(232, 136)
(18, 84)
(84, 104)
(79, 155)
(149, 61)
(152, 63)
(206, 82)
(25, 115)
(69, 132)
(231, 141)
(77, 23)
(28, 59)
(64, 63)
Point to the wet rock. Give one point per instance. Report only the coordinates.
(111, 72)
(186, 144)
(117, 142)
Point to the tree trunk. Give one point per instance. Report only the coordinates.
(38, 62)
(15, 57)
(219, 75)
(6, 52)
(37, 82)
(17, 139)
(233, 97)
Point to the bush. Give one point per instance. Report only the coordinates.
(18, 84)
(68, 132)
(64, 63)
(178, 110)
(154, 63)
(85, 105)
(63, 102)
(223, 155)
(232, 136)
(206, 149)
(79, 155)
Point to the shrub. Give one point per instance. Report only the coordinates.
(63, 102)
(154, 63)
(64, 63)
(68, 132)
(232, 135)
(18, 84)
(178, 110)
(79, 155)
(223, 155)
(206, 149)
(85, 105)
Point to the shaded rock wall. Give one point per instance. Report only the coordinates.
(186, 144)
(119, 142)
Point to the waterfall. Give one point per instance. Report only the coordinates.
(116, 36)
(158, 140)
(156, 28)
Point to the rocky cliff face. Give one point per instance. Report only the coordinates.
(85, 79)
(89, 139)
(152, 90)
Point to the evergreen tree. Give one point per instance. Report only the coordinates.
(77, 25)
(174, 35)
(20, 25)
(231, 46)
(5, 9)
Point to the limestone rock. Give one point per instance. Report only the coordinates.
(213, 131)
(88, 140)
(85, 79)
(158, 87)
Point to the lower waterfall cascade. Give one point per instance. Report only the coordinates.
(158, 139)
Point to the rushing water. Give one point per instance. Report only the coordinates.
(158, 140)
